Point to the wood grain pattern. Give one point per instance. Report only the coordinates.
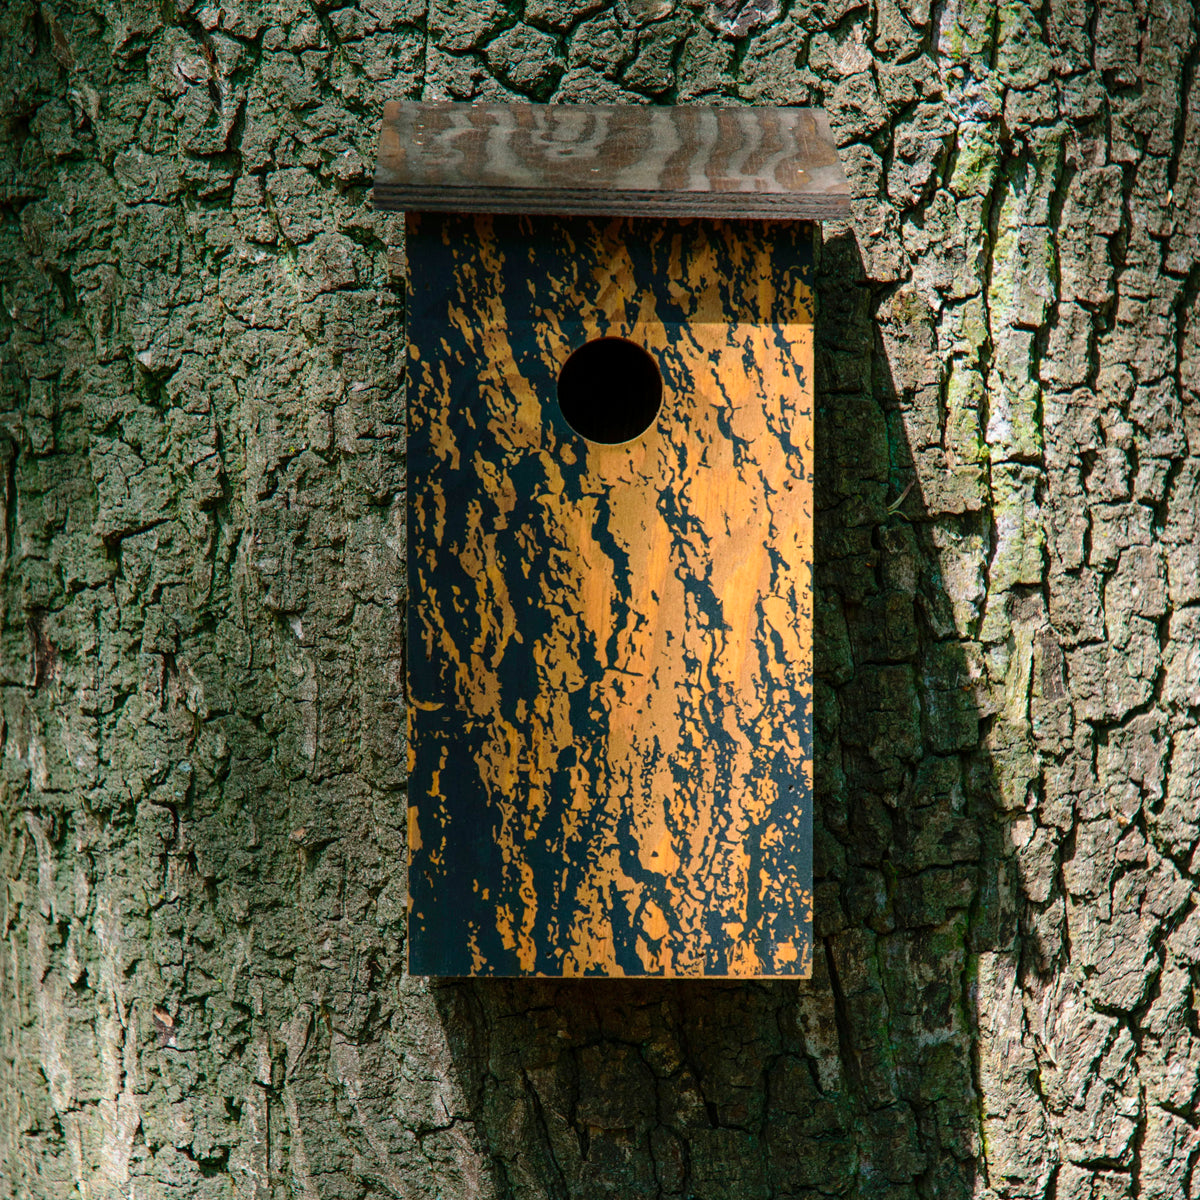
(610, 650)
(599, 159)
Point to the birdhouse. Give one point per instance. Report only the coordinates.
(610, 462)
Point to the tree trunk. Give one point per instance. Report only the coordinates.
(202, 798)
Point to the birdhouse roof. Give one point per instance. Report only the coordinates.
(601, 159)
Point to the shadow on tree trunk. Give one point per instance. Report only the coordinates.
(859, 1082)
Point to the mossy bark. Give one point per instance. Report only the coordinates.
(202, 793)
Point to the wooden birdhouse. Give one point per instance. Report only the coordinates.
(610, 462)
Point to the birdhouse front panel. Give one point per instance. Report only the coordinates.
(610, 618)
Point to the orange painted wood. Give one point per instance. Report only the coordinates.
(610, 646)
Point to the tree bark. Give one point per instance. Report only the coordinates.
(202, 790)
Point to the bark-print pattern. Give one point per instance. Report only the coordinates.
(610, 646)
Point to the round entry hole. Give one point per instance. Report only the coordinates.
(609, 391)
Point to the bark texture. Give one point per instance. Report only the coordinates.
(201, 562)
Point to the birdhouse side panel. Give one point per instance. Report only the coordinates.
(610, 649)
